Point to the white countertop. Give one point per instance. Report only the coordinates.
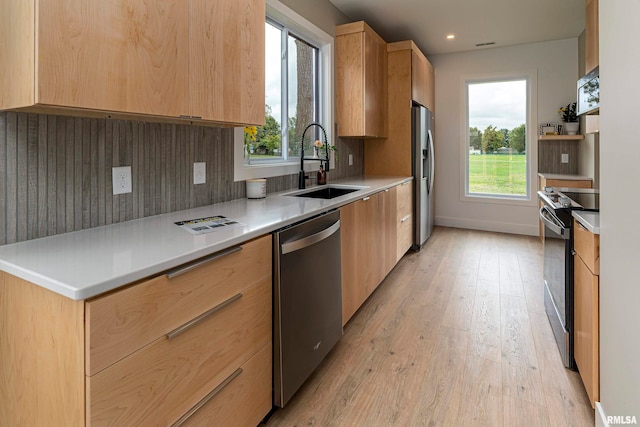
(591, 220)
(86, 263)
(564, 177)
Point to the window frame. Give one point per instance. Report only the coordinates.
(530, 76)
(305, 30)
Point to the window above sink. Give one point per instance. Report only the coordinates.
(298, 32)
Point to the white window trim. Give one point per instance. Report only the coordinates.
(305, 29)
(532, 139)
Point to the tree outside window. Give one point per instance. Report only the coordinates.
(291, 92)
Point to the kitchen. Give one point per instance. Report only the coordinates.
(74, 212)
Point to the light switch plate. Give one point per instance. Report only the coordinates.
(350, 159)
(564, 158)
(199, 172)
(121, 179)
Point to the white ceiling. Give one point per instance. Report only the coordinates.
(505, 22)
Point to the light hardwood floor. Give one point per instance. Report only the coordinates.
(456, 335)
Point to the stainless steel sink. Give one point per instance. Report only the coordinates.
(325, 192)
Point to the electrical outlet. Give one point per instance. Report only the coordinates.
(350, 159)
(121, 179)
(199, 172)
(564, 158)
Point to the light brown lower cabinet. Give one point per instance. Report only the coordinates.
(178, 348)
(243, 400)
(370, 231)
(404, 218)
(362, 251)
(586, 310)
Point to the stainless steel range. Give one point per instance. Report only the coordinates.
(555, 214)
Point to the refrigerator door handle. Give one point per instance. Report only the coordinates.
(431, 161)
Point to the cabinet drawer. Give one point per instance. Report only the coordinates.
(570, 183)
(122, 322)
(587, 246)
(165, 379)
(404, 219)
(243, 401)
(587, 328)
(405, 236)
(405, 199)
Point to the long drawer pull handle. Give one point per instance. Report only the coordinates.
(405, 218)
(207, 398)
(193, 322)
(181, 270)
(406, 182)
(364, 199)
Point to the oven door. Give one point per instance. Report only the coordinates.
(558, 283)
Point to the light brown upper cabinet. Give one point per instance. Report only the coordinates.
(226, 41)
(410, 78)
(166, 58)
(422, 79)
(361, 81)
(592, 33)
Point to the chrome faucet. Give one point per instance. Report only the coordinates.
(301, 174)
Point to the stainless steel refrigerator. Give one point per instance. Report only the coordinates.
(423, 173)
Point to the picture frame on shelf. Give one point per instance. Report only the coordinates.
(550, 128)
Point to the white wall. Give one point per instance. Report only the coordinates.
(321, 12)
(556, 66)
(619, 209)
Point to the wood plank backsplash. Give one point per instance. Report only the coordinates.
(55, 171)
(550, 155)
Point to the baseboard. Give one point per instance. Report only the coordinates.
(601, 418)
(486, 225)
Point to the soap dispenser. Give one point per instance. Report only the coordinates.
(322, 176)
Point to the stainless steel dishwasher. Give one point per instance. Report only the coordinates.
(307, 300)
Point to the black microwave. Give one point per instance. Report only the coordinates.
(589, 93)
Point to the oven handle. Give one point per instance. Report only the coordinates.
(554, 223)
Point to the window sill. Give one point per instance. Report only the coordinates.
(499, 199)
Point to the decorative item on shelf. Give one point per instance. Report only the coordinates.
(571, 128)
(549, 128)
(570, 119)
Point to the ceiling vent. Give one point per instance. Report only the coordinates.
(485, 44)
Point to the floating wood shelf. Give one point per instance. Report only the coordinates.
(560, 137)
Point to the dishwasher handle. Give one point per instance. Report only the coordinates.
(307, 241)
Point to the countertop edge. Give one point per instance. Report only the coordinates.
(567, 177)
(116, 281)
(591, 220)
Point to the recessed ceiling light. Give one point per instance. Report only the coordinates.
(451, 36)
